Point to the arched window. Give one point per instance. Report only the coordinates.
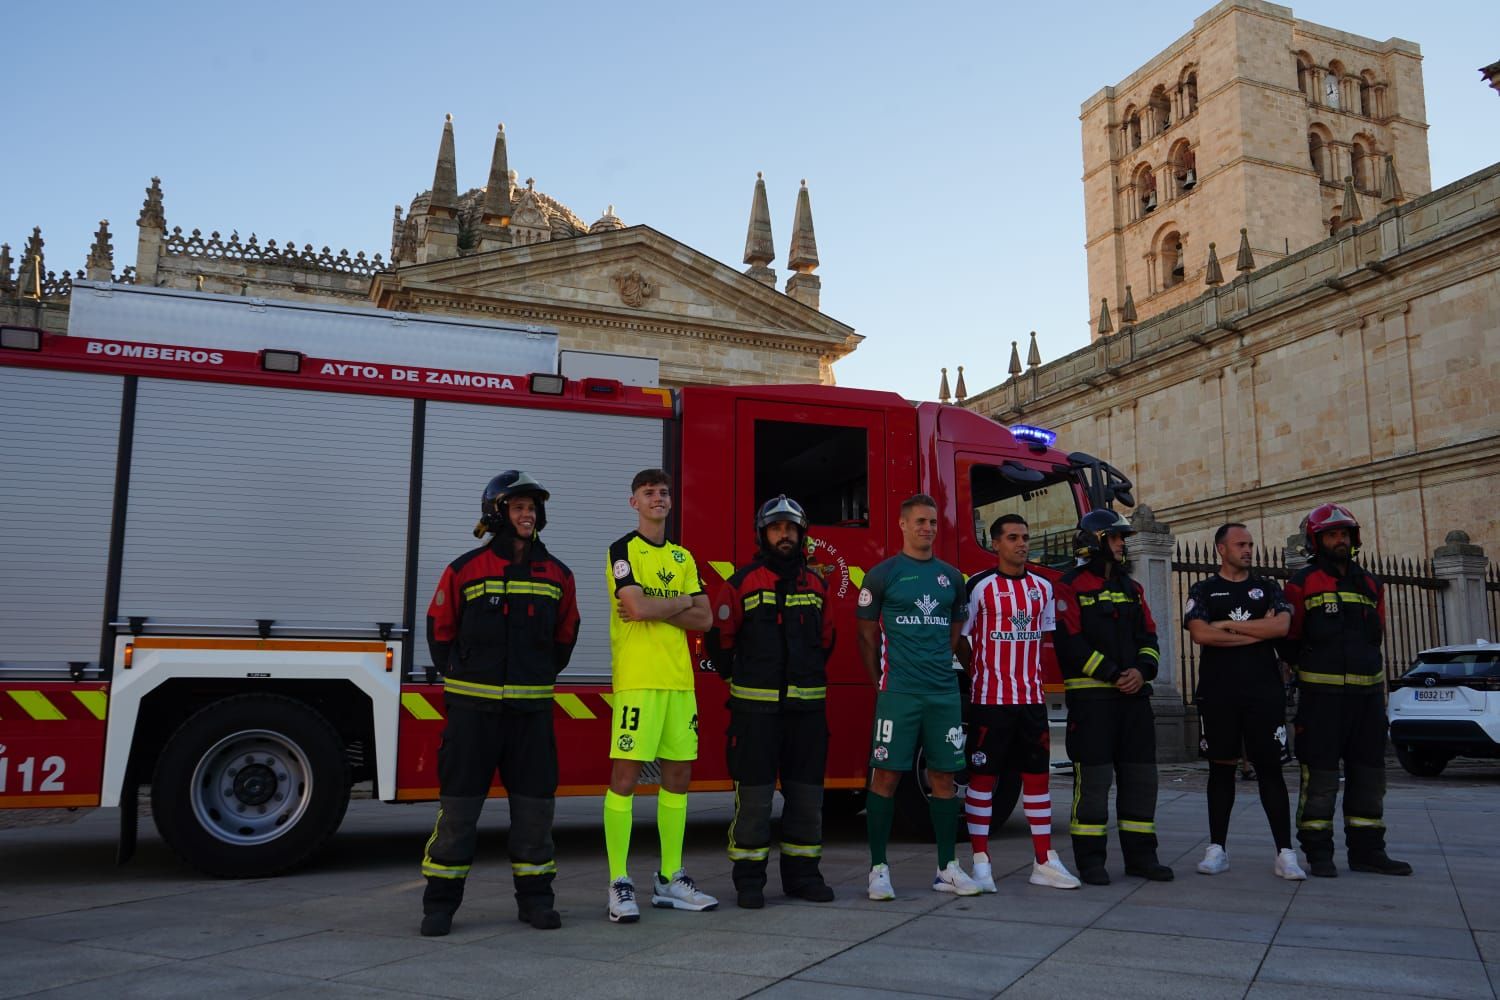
(1132, 128)
(1173, 271)
(1161, 110)
(1318, 154)
(1189, 89)
(1367, 94)
(1184, 169)
(1304, 75)
(1332, 85)
(1364, 160)
(1145, 189)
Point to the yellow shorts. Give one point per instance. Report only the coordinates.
(651, 723)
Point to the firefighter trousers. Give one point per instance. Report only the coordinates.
(1349, 727)
(1112, 740)
(762, 746)
(476, 743)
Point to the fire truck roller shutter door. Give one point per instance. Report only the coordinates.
(586, 461)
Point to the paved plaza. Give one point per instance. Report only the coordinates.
(72, 924)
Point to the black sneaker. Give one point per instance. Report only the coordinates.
(1094, 876)
(1378, 862)
(542, 919)
(1155, 871)
(437, 924)
(751, 899)
(1322, 868)
(813, 892)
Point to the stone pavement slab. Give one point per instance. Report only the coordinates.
(1402, 974)
(1058, 978)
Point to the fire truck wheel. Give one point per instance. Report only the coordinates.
(250, 786)
(913, 818)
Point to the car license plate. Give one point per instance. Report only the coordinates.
(1434, 695)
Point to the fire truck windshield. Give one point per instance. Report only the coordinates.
(1049, 507)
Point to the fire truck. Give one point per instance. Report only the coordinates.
(223, 521)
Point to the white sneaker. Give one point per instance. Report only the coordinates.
(1215, 861)
(880, 883)
(680, 893)
(1287, 867)
(1053, 874)
(984, 875)
(622, 908)
(952, 879)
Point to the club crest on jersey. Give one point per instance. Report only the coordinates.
(678, 556)
(880, 753)
(622, 569)
(1239, 615)
(942, 580)
(865, 597)
(1191, 604)
(627, 742)
(977, 758)
(956, 737)
(1256, 594)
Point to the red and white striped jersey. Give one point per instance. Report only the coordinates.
(1007, 619)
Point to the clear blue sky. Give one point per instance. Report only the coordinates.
(940, 143)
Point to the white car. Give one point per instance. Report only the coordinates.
(1447, 705)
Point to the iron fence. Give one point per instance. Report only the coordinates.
(1413, 603)
(1492, 599)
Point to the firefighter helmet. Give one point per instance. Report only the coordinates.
(780, 508)
(1094, 527)
(510, 483)
(1325, 517)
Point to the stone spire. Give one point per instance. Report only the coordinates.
(961, 391)
(1127, 309)
(7, 279)
(759, 249)
(1015, 360)
(608, 222)
(440, 235)
(1246, 260)
(943, 394)
(101, 263)
(1213, 275)
(1351, 214)
(398, 230)
(1390, 184)
(1033, 356)
(803, 285)
(151, 228)
(33, 266)
(1106, 326)
(494, 212)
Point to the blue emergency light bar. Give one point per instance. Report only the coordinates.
(1033, 435)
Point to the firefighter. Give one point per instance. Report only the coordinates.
(771, 644)
(501, 627)
(1106, 645)
(1338, 615)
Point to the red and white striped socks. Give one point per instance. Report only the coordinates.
(978, 809)
(1036, 799)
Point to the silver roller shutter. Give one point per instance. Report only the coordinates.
(250, 502)
(57, 480)
(585, 460)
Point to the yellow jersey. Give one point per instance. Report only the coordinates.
(652, 654)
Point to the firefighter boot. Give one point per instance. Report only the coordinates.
(1315, 820)
(802, 842)
(532, 865)
(750, 842)
(450, 851)
(1090, 822)
(1136, 803)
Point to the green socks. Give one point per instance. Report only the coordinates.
(879, 811)
(944, 814)
(618, 819)
(671, 825)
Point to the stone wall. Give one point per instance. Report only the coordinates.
(1363, 369)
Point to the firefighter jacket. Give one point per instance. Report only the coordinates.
(1103, 629)
(1337, 625)
(500, 630)
(773, 638)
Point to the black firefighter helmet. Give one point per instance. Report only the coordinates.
(498, 491)
(780, 508)
(1094, 528)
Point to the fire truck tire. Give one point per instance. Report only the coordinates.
(913, 818)
(250, 786)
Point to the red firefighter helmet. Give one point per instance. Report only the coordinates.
(1325, 517)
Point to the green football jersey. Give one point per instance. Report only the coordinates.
(915, 602)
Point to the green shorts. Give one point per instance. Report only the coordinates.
(903, 721)
(651, 723)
